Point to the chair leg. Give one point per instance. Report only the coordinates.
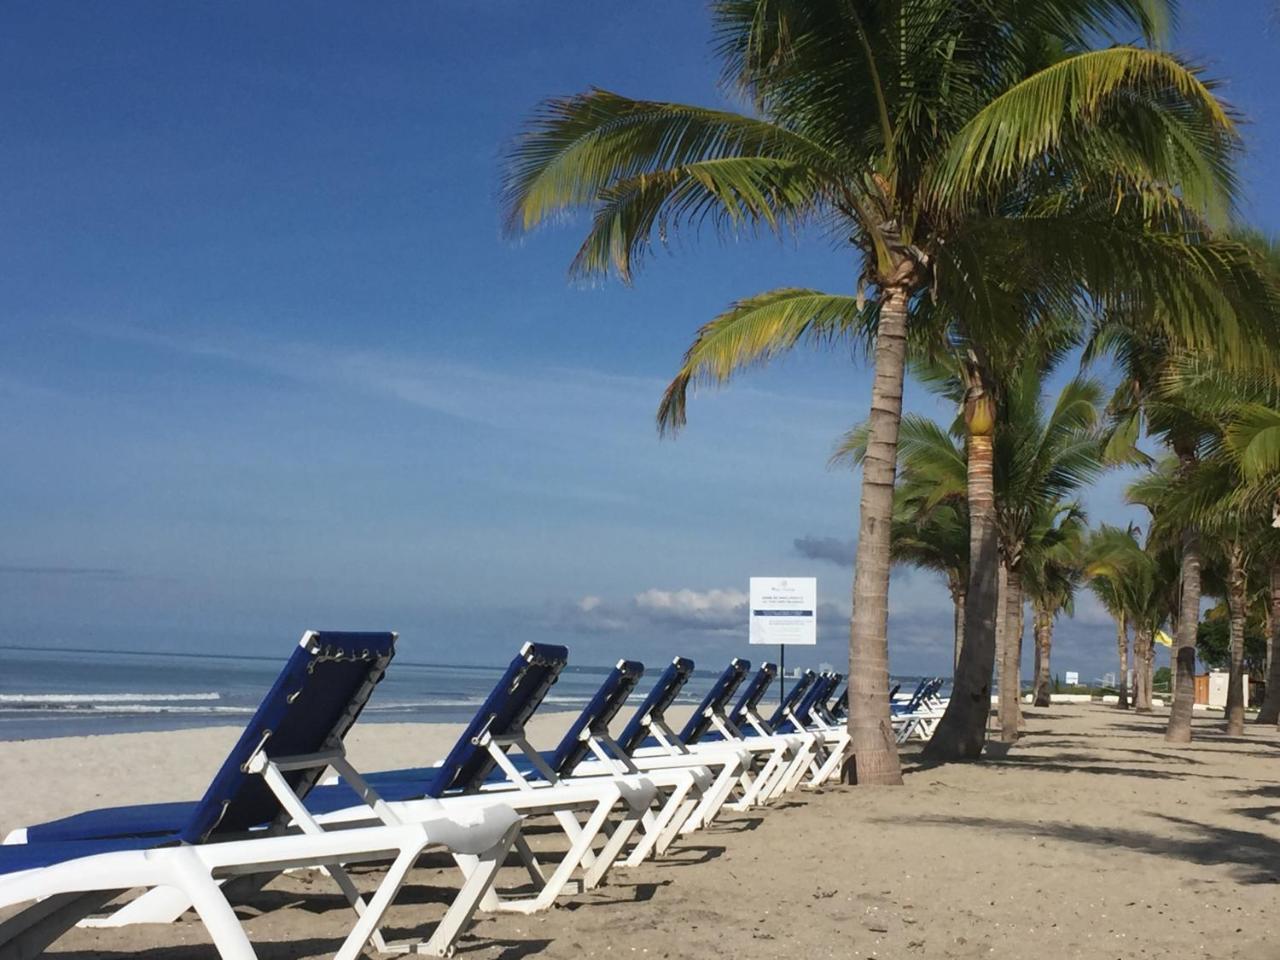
(371, 913)
(215, 911)
(474, 889)
(655, 828)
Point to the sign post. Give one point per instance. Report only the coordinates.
(783, 610)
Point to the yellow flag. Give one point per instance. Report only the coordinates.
(1164, 639)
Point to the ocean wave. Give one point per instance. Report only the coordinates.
(118, 709)
(106, 697)
(382, 705)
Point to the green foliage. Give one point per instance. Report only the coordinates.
(980, 156)
(1213, 645)
(1132, 581)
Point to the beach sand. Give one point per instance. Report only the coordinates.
(1091, 838)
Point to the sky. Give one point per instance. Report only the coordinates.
(268, 361)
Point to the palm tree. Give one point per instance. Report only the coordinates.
(1042, 456)
(930, 516)
(1109, 592)
(1137, 578)
(935, 538)
(1203, 497)
(920, 133)
(1052, 570)
(1230, 494)
(1151, 359)
(1145, 358)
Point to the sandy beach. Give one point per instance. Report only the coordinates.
(1091, 838)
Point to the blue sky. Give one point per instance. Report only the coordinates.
(268, 363)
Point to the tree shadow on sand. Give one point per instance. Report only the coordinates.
(1089, 763)
(1200, 734)
(1266, 748)
(1252, 857)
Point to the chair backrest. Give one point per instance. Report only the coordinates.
(716, 700)
(654, 706)
(840, 705)
(826, 703)
(503, 714)
(753, 692)
(918, 696)
(596, 716)
(792, 697)
(314, 701)
(818, 691)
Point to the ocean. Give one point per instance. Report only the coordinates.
(71, 693)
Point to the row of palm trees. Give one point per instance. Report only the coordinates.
(1008, 178)
(1045, 452)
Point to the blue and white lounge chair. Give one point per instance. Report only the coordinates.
(725, 765)
(792, 751)
(709, 733)
(252, 821)
(919, 716)
(811, 716)
(776, 755)
(584, 751)
(463, 783)
(482, 767)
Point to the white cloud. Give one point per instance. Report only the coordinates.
(693, 609)
(681, 610)
(708, 614)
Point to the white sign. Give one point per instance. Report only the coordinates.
(784, 610)
(1073, 678)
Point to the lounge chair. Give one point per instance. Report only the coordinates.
(726, 764)
(780, 758)
(482, 767)
(709, 731)
(584, 751)
(812, 716)
(919, 716)
(252, 821)
(462, 782)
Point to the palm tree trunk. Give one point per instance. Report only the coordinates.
(1137, 671)
(1035, 655)
(1270, 711)
(957, 599)
(1142, 642)
(1237, 587)
(1002, 624)
(1044, 647)
(962, 732)
(1122, 642)
(1149, 669)
(1184, 694)
(873, 748)
(1019, 629)
(1009, 689)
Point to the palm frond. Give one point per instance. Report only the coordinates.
(1038, 116)
(755, 330)
(576, 148)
